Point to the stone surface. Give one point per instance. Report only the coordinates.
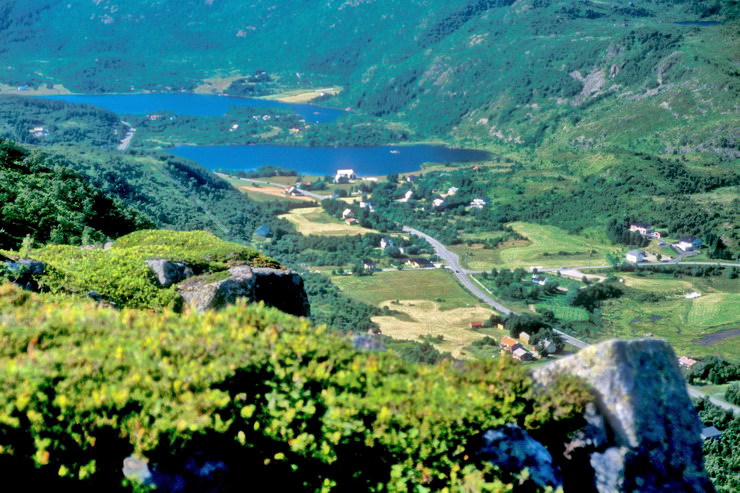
(168, 272)
(512, 449)
(652, 427)
(281, 289)
(24, 271)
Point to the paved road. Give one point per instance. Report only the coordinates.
(453, 261)
(127, 139)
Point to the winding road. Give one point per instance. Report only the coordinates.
(462, 275)
(453, 262)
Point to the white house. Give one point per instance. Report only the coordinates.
(641, 227)
(347, 213)
(438, 203)
(541, 280)
(345, 174)
(635, 256)
(366, 205)
(407, 196)
(452, 191)
(386, 242)
(688, 243)
(478, 203)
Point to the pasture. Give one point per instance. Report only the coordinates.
(315, 221)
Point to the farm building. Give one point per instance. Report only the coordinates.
(524, 337)
(475, 325)
(635, 256)
(688, 243)
(521, 354)
(710, 433)
(419, 263)
(509, 344)
(686, 362)
(386, 242)
(641, 227)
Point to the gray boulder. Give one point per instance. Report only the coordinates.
(23, 272)
(281, 289)
(168, 272)
(512, 450)
(652, 426)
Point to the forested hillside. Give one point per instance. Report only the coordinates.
(502, 72)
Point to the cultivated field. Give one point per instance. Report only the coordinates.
(708, 325)
(420, 318)
(546, 246)
(267, 193)
(578, 250)
(315, 221)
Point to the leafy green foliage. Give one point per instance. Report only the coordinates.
(721, 456)
(120, 274)
(59, 121)
(53, 203)
(249, 387)
(715, 370)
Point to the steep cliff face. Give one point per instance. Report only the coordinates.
(642, 432)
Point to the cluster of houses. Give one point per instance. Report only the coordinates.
(514, 347)
(415, 262)
(685, 243)
(439, 202)
(345, 175)
(349, 217)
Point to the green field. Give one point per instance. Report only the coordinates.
(315, 221)
(688, 324)
(546, 246)
(551, 240)
(409, 284)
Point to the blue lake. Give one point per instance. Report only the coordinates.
(366, 161)
(193, 104)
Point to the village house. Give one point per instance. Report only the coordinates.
(438, 203)
(524, 337)
(351, 221)
(710, 433)
(541, 280)
(263, 231)
(452, 191)
(641, 227)
(522, 354)
(292, 191)
(635, 256)
(659, 234)
(39, 132)
(347, 213)
(344, 175)
(419, 263)
(154, 117)
(509, 344)
(686, 362)
(475, 325)
(366, 205)
(411, 178)
(548, 346)
(386, 242)
(234, 127)
(407, 196)
(478, 203)
(368, 264)
(688, 243)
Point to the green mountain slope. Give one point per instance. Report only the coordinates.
(498, 72)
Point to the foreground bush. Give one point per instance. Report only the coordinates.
(120, 273)
(260, 393)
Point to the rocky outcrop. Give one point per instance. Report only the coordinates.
(23, 272)
(511, 449)
(642, 434)
(169, 272)
(281, 289)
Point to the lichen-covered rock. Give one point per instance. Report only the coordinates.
(23, 272)
(281, 289)
(653, 429)
(512, 449)
(168, 272)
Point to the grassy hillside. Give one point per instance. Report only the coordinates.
(503, 73)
